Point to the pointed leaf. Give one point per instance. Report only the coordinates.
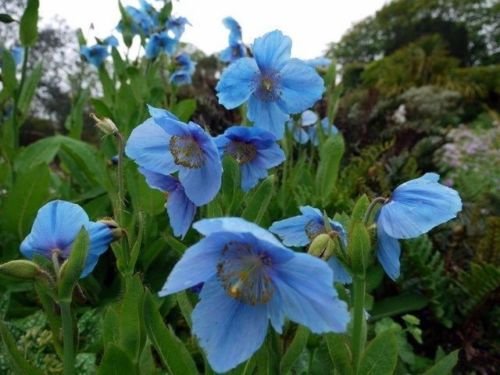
(28, 31)
(381, 355)
(445, 365)
(73, 266)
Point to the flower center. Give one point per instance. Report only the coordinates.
(187, 152)
(244, 273)
(313, 229)
(242, 152)
(267, 88)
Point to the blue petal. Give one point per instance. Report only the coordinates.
(55, 227)
(267, 115)
(100, 237)
(197, 265)
(148, 146)
(237, 225)
(234, 29)
(272, 51)
(292, 230)
(270, 157)
(340, 274)
(417, 206)
(203, 184)
(250, 175)
(301, 86)
(237, 83)
(159, 113)
(228, 330)
(159, 181)
(276, 313)
(300, 135)
(312, 212)
(388, 252)
(180, 211)
(308, 118)
(310, 301)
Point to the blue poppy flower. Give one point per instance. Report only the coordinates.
(180, 209)
(158, 43)
(254, 149)
(249, 279)
(55, 228)
(95, 54)
(302, 229)
(300, 130)
(274, 84)
(236, 48)
(177, 26)
(185, 69)
(414, 208)
(163, 144)
(327, 129)
(142, 22)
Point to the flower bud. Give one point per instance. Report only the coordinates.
(21, 269)
(323, 246)
(116, 231)
(105, 124)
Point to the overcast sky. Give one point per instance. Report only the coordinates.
(311, 24)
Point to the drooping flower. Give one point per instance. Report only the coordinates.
(300, 130)
(185, 70)
(327, 129)
(180, 209)
(301, 230)
(249, 279)
(160, 43)
(414, 208)
(176, 26)
(255, 150)
(95, 54)
(163, 144)
(236, 48)
(111, 41)
(274, 84)
(55, 228)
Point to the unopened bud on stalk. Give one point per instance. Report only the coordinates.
(105, 124)
(21, 269)
(323, 246)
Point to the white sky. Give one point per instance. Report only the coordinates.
(311, 24)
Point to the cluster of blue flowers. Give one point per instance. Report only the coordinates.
(306, 130)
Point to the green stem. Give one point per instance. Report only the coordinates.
(120, 206)
(68, 343)
(15, 129)
(358, 328)
(371, 207)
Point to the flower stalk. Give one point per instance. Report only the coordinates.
(359, 323)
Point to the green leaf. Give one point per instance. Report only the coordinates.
(331, 153)
(184, 109)
(74, 122)
(171, 350)
(108, 85)
(143, 197)
(359, 248)
(72, 267)
(116, 362)
(398, 305)
(101, 109)
(258, 201)
(118, 63)
(230, 182)
(18, 364)
(445, 365)
(8, 73)
(28, 91)
(42, 151)
(381, 355)
(28, 31)
(25, 198)
(359, 210)
(132, 330)
(6, 18)
(296, 347)
(340, 352)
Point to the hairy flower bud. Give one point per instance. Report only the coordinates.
(323, 246)
(105, 124)
(21, 269)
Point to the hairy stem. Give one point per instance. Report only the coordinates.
(68, 343)
(358, 328)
